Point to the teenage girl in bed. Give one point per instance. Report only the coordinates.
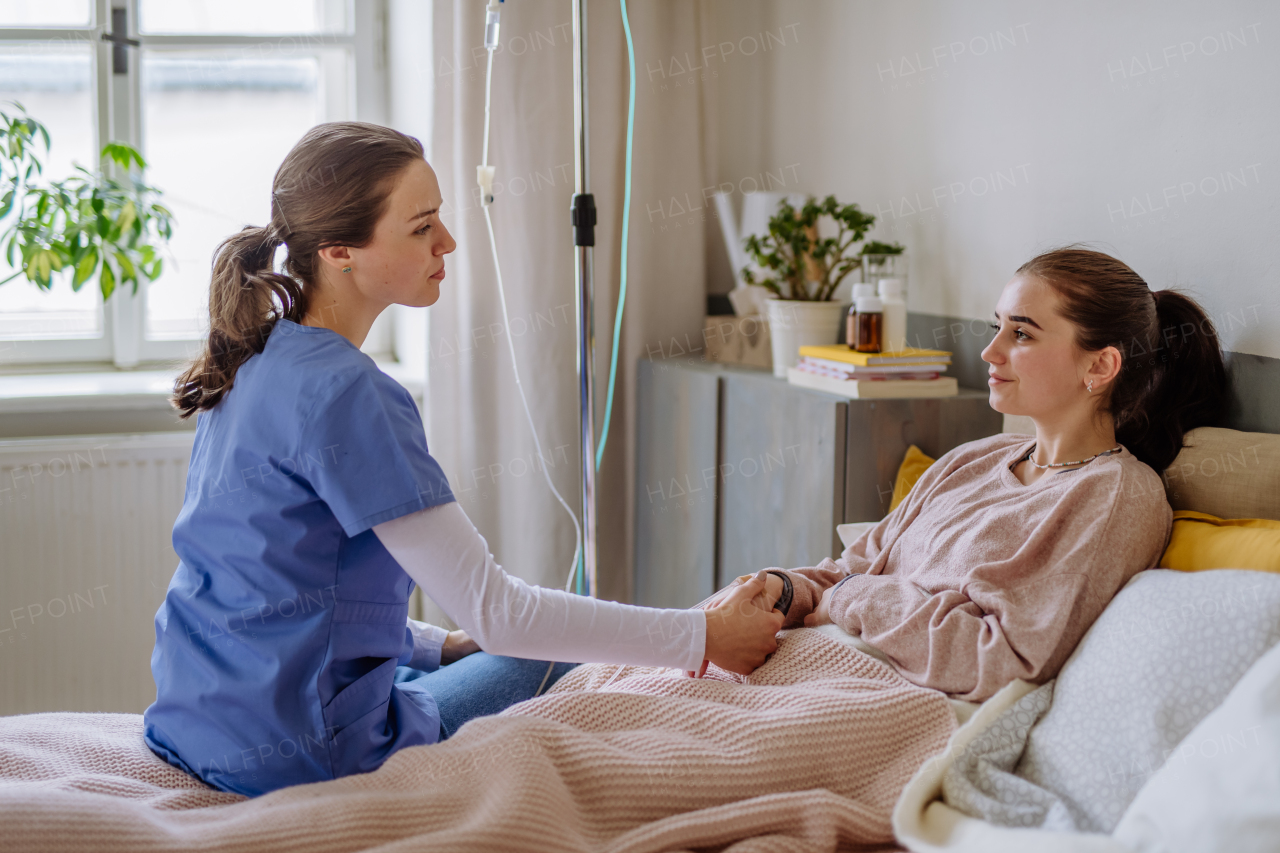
(284, 653)
(1009, 547)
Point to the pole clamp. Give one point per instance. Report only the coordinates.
(583, 216)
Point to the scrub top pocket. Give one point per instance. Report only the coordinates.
(373, 718)
(357, 699)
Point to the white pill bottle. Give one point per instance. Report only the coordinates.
(894, 330)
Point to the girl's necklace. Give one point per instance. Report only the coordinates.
(1065, 464)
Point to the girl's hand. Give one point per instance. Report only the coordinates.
(773, 591)
(457, 646)
(821, 614)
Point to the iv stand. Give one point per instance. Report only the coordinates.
(583, 217)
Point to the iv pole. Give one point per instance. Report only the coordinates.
(583, 217)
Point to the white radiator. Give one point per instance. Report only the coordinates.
(86, 554)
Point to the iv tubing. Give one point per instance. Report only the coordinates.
(576, 573)
(506, 321)
(502, 299)
(484, 175)
(488, 76)
(622, 287)
(626, 225)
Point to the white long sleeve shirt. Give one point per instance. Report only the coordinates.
(445, 555)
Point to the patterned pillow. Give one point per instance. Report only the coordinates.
(1164, 653)
(1220, 789)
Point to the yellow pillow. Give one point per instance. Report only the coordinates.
(1202, 541)
(913, 465)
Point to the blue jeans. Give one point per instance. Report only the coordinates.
(479, 685)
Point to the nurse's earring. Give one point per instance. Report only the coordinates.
(348, 269)
(1089, 385)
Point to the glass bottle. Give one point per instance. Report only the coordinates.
(869, 324)
(876, 267)
(851, 323)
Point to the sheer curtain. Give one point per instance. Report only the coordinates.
(476, 426)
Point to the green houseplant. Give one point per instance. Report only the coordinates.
(794, 262)
(94, 224)
(803, 270)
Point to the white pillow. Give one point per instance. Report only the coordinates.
(1164, 653)
(848, 533)
(1219, 790)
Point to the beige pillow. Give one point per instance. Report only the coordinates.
(1227, 473)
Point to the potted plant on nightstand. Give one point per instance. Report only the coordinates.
(803, 271)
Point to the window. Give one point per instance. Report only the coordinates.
(53, 79)
(213, 95)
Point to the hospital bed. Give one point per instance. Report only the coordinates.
(1164, 720)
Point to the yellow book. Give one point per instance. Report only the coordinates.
(910, 355)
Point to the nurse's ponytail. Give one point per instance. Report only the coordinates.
(330, 190)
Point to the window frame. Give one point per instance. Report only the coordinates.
(355, 87)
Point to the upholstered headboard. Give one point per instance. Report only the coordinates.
(1223, 472)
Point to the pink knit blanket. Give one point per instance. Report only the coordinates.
(808, 753)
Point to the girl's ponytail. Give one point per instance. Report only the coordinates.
(1188, 382)
(1172, 378)
(331, 190)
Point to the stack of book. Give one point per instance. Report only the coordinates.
(910, 372)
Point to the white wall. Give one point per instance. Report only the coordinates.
(981, 132)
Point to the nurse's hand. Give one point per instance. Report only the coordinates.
(741, 627)
(457, 646)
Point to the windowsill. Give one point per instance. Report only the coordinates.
(98, 390)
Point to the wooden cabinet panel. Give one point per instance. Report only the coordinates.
(880, 431)
(675, 523)
(782, 491)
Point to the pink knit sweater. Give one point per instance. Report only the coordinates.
(976, 579)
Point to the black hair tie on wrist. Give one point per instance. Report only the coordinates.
(784, 602)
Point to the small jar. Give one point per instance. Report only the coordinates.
(851, 327)
(868, 324)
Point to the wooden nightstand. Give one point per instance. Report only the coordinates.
(737, 470)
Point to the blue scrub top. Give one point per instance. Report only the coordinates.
(278, 639)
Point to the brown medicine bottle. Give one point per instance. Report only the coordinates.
(851, 319)
(868, 324)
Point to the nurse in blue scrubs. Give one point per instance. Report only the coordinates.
(284, 653)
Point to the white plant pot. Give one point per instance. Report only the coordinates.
(797, 323)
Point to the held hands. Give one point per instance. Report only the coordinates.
(773, 591)
(457, 646)
(741, 625)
